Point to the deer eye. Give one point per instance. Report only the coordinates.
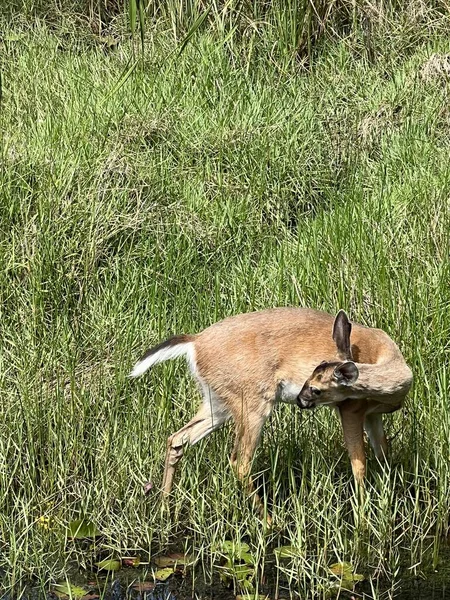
(315, 391)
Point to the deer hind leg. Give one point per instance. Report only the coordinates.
(209, 417)
(352, 419)
(373, 424)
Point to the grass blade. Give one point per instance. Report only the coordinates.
(195, 27)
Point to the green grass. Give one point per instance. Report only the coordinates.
(207, 184)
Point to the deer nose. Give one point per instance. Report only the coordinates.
(303, 402)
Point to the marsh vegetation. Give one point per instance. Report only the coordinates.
(217, 171)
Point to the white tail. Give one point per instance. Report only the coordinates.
(179, 345)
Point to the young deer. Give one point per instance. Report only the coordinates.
(247, 363)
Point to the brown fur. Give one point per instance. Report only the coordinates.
(244, 361)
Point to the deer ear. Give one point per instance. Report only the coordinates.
(341, 335)
(346, 373)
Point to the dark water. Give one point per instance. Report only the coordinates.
(125, 588)
(137, 584)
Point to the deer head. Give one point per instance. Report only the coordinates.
(330, 381)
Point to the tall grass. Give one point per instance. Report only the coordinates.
(205, 186)
(285, 30)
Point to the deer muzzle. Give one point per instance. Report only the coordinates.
(305, 400)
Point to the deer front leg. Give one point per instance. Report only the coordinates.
(352, 419)
(373, 424)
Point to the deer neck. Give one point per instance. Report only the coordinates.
(382, 380)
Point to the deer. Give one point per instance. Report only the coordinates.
(245, 364)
